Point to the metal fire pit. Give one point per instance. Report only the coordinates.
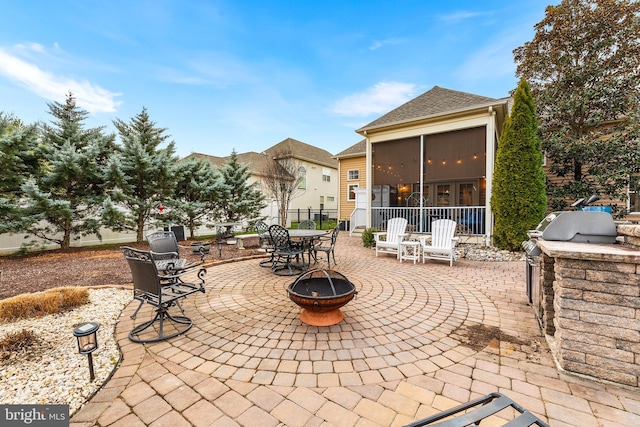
(321, 293)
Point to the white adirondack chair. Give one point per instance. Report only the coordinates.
(389, 241)
(441, 244)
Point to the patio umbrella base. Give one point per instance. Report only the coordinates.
(326, 318)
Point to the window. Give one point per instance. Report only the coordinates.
(351, 192)
(326, 175)
(353, 175)
(302, 175)
(330, 199)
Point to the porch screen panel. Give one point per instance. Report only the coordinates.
(455, 155)
(396, 169)
(396, 162)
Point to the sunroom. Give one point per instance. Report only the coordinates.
(433, 158)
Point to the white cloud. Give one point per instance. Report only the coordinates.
(380, 98)
(377, 44)
(89, 96)
(462, 15)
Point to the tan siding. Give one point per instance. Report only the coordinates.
(359, 163)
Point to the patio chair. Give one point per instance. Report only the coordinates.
(307, 224)
(482, 408)
(440, 245)
(327, 245)
(389, 241)
(166, 252)
(162, 291)
(285, 252)
(265, 243)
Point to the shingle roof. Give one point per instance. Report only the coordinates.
(255, 161)
(303, 151)
(434, 102)
(357, 149)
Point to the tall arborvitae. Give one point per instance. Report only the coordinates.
(518, 199)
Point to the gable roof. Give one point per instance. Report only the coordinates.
(254, 161)
(435, 102)
(357, 149)
(302, 151)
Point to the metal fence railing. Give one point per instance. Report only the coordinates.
(317, 215)
(470, 219)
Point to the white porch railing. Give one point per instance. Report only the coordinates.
(470, 219)
(358, 218)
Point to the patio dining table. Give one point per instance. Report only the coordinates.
(306, 238)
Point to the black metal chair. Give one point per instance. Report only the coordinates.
(285, 252)
(162, 291)
(166, 252)
(483, 407)
(307, 224)
(265, 243)
(327, 245)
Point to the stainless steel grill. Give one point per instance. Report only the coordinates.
(581, 226)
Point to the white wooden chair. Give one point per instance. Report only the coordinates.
(389, 241)
(441, 243)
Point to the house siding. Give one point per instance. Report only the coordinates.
(347, 164)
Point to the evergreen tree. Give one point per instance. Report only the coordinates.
(140, 174)
(583, 66)
(196, 194)
(19, 162)
(518, 199)
(65, 196)
(239, 200)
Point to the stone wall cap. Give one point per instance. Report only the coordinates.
(590, 251)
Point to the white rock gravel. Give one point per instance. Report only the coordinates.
(53, 372)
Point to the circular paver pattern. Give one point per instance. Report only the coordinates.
(399, 325)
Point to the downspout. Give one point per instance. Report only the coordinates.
(369, 178)
(421, 184)
(489, 166)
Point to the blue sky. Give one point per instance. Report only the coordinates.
(245, 75)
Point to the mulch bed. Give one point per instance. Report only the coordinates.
(90, 266)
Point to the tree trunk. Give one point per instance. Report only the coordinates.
(140, 231)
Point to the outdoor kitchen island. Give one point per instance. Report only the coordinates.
(591, 307)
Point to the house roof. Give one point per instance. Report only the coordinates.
(302, 151)
(357, 149)
(435, 102)
(255, 161)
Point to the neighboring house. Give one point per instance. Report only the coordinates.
(352, 175)
(318, 189)
(433, 157)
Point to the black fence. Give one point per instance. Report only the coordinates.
(317, 215)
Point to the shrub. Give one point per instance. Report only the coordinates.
(367, 238)
(17, 341)
(42, 303)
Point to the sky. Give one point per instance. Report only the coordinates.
(245, 75)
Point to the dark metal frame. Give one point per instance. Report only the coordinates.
(329, 249)
(166, 252)
(284, 252)
(265, 243)
(162, 291)
(484, 407)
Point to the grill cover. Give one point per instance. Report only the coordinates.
(581, 227)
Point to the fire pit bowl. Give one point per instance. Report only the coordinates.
(321, 293)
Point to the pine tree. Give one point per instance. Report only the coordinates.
(518, 199)
(196, 194)
(141, 175)
(18, 162)
(239, 200)
(67, 193)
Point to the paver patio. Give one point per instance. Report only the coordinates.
(418, 339)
